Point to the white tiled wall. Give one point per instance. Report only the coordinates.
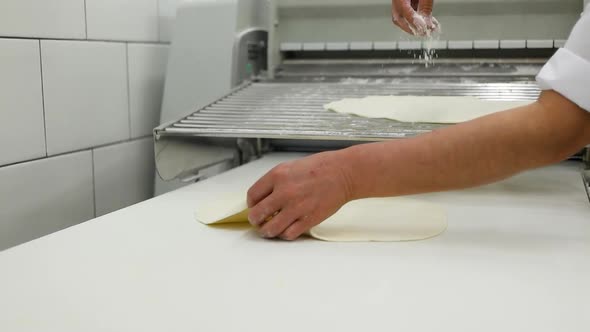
(80, 92)
(147, 66)
(44, 196)
(43, 18)
(21, 101)
(122, 20)
(123, 174)
(85, 87)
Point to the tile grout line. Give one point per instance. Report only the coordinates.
(93, 183)
(43, 99)
(85, 20)
(128, 91)
(78, 151)
(158, 20)
(147, 42)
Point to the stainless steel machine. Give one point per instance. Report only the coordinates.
(251, 76)
(248, 77)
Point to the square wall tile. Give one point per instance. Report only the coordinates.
(43, 18)
(147, 73)
(21, 103)
(133, 20)
(167, 12)
(44, 196)
(123, 175)
(85, 89)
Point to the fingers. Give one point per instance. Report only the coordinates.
(414, 16)
(265, 209)
(296, 229)
(425, 11)
(435, 24)
(403, 16)
(398, 20)
(260, 190)
(416, 22)
(402, 24)
(406, 11)
(278, 224)
(420, 25)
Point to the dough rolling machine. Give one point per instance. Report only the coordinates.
(514, 257)
(259, 82)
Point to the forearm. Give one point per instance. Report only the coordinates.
(469, 154)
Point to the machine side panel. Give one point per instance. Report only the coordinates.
(201, 56)
(199, 71)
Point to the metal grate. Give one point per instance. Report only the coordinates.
(295, 110)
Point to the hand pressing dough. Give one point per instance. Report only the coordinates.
(422, 109)
(366, 220)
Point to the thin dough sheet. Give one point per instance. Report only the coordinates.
(383, 220)
(224, 209)
(422, 109)
(367, 220)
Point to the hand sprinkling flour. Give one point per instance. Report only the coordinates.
(415, 16)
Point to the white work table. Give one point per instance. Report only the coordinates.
(516, 257)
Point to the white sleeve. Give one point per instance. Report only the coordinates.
(568, 71)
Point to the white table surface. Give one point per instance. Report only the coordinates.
(516, 257)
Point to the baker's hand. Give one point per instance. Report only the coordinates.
(295, 196)
(414, 16)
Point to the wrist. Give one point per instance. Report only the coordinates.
(347, 163)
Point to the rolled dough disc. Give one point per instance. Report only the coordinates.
(383, 220)
(366, 220)
(422, 109)
(223, 209)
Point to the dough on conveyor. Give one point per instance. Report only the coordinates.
(367, 220)
(422, 109)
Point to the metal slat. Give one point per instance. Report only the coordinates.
(295, 110)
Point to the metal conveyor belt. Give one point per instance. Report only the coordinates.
(280, 110)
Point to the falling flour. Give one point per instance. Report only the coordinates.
(429, 51)
(430, 38)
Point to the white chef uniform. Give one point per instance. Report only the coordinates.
(568, 71)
